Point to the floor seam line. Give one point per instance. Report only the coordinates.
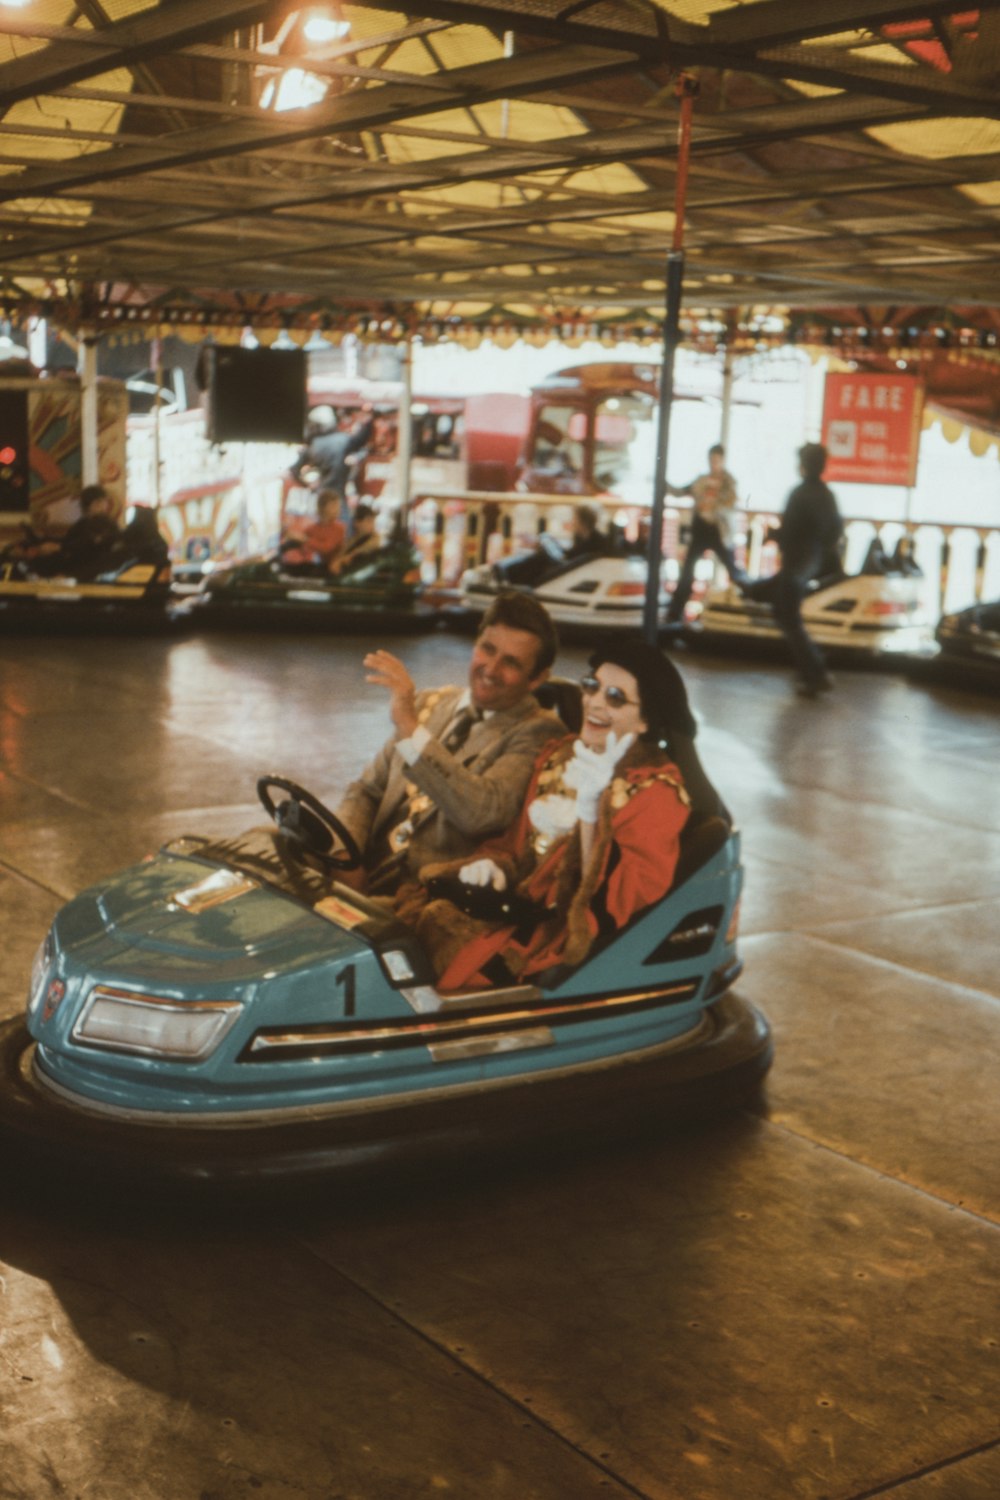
(51, 791)
(513, 1401)
(913, 1187)
(886, 963)
(935, 1468)
(30, 880)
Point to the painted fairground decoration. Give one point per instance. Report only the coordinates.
(41, 460)
(871, 427)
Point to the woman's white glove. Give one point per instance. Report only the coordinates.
(552, 815)
(483, 872)
(590, 771)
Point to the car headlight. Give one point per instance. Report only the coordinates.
(40, 972)
(153, 1027)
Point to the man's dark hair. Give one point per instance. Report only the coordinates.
(91, 493)
(587, 516)
(523, 612)
(812, 457)
(717, 448)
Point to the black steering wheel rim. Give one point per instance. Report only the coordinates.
(346, 858)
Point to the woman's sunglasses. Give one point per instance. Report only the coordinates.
(612, 695)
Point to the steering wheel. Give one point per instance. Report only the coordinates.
(302, 820)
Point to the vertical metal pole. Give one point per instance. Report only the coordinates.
(89, 454)
(157, 360)
(38, 343)
(727, 384)
(404, 431)
(671, 338)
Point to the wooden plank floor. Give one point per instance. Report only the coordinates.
(801, 1300)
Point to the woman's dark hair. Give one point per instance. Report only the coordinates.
(523, 612)
(662, 694)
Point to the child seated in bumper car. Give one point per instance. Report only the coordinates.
(365, 541)
(596, 842)
(316, 546)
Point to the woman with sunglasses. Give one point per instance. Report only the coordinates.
(596, 842)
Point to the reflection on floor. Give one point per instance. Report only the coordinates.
(798, 1301)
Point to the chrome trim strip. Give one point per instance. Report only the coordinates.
(487, 1046)
(248, 1119)
(339, 1038)
(425, 1000)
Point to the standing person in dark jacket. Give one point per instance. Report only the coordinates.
(809, 534)
(330, 450)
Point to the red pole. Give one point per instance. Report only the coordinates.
(689, 89)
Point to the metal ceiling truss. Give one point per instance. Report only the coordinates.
(406, 183)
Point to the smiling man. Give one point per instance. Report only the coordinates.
(458, 766)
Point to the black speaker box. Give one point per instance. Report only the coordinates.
(255, 395)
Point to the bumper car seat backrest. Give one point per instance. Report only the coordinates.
(563, 697)
(704, 835)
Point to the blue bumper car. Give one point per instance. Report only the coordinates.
(229, 1013)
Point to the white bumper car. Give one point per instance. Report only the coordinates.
(590, 594)
(881, 611)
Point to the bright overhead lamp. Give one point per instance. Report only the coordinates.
(295, 89)
(325, 26)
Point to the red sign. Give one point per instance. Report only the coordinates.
(871, 427)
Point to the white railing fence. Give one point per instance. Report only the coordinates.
(455, 530)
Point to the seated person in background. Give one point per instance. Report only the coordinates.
(88, 546)
(585, 538)
(33, 546)
(552, 455)
(597, 839)
(456, 769)
(364, 541)
(141, 540)
(552, 465)
(318, 543)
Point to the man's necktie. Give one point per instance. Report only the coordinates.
(460, 729)
(414, 804)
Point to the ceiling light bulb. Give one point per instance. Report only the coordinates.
(325, 28)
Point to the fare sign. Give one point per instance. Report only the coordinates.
(871, 427)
